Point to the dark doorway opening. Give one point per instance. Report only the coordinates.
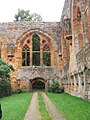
(38, 84)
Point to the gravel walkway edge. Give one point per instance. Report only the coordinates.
(33, 110)
(52, 110)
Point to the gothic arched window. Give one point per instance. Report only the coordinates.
(46, 55)
(36, 50)
(25, 56)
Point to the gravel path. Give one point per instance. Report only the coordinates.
(53, 111)
(33, 110)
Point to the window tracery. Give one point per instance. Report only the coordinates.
(25, 56)
(46, 55)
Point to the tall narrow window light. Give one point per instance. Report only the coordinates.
(46, 56)
(25, 56)
(36, 50)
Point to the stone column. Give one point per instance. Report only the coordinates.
(79, 85)
(41, 56)
(75, 85)
(84, 21)
(30, 86)
(31, 54)
(84, 76)
(68, 83)
(46, 85)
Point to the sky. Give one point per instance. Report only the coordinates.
(50, 10)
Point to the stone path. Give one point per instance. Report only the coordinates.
(53, 111)
(33, 110)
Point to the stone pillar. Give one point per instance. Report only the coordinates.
(68, 83)
(84, 21)
(84, 76)
(46, 86)
(75, 85)
(30, 86)
(79, 85)
(41, 56)
(31, 54)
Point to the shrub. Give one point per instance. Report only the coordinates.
(55, 87)
(18, 90)
(5, 88)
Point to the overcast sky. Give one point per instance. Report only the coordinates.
(50, 10)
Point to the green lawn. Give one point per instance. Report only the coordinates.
(14, 107)
(73, 108)
(42, 108)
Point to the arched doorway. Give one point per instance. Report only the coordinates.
(38, 84)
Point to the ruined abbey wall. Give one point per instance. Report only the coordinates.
(16, 35)
(75, 39)
(69, 45)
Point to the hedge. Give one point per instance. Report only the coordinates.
(5, 88)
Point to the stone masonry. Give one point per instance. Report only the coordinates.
(69, 47)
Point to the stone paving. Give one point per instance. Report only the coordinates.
(33, 112)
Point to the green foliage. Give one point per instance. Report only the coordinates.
(46, 58)
(23, 15)
(36, 58)
(5, 88)
(36, 50)
(18, 90)
(5, 70)
(36, 42)
(15, 106)
(55, 87)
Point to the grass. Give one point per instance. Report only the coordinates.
(14, 107)
(72, 107)
(42, 108)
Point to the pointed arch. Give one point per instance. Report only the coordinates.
(36, 50)
(25, 56)
(36, 45)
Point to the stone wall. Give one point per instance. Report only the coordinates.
(15, 36)
(75, 37)
(69, 42)
(14, 30)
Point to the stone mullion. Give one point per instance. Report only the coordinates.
(41, 56)
(31, 53)
(79, 85)
(41, 50)
(31, 56)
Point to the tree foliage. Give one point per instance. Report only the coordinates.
(5, 70)
(5, 88)
(23, 15)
